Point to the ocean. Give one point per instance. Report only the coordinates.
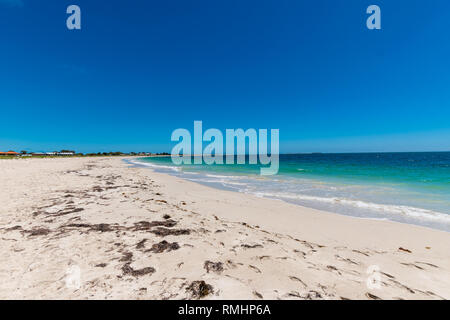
(410, 188)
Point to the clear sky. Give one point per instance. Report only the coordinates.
(139, 69)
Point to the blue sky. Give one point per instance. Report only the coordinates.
(140, 69)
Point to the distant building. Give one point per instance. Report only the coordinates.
(66, 153)
(9, 153)
(54, 153)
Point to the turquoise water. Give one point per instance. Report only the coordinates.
(405, 187)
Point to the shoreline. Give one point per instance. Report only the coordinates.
(128, 229)
(344, 206)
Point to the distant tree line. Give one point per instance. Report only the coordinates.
(92, 154)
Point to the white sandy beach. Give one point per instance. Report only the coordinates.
(96, 228)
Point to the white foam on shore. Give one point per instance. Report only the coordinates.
(221, 181)
(223, 177)
(148, 164)
(379, 208)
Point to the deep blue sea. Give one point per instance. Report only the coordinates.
(405, 187)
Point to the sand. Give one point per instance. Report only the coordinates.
(97, 228)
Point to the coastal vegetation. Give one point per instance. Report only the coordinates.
(71, 153)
